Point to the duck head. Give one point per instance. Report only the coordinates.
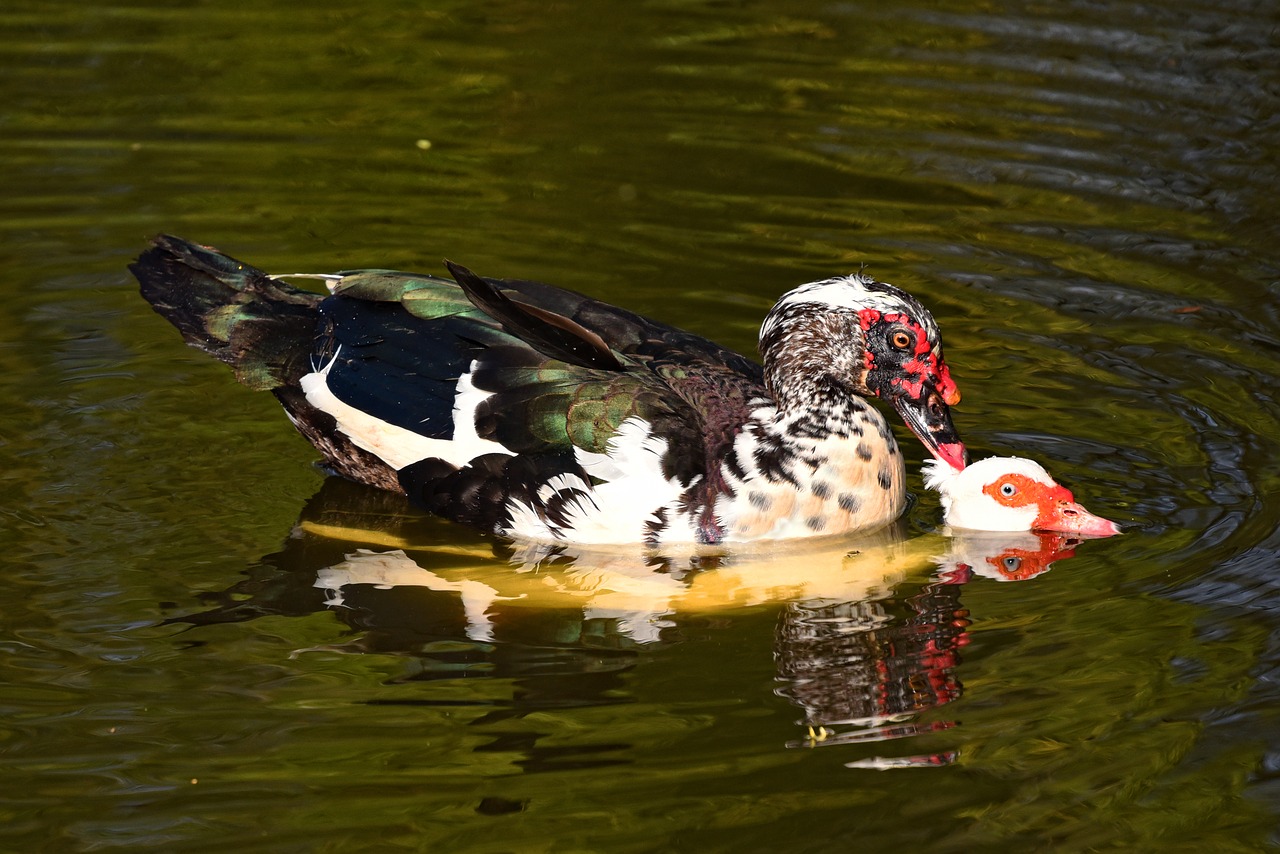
(825, 341)
(1010, 494)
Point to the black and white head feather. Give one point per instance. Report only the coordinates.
(815, 331)
(854, 292)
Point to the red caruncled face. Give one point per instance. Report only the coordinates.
(904, 366)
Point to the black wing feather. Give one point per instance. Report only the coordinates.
(553, 334)
(394, 366)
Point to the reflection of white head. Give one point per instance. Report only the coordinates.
(1010, 494)
(1006, 555)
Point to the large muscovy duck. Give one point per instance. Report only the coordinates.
(540, 413)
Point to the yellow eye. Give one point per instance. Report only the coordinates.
(900, 340)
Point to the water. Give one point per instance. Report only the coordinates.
(207, 644)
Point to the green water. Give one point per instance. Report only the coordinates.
(1084, 195)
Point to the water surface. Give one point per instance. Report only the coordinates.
(209, 644)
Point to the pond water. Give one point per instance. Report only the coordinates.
(209, 645)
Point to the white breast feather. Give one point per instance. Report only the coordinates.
(787, 508)
(616, 510)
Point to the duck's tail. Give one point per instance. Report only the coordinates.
(261, 327)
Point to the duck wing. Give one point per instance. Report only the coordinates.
(477, 396)
(489, 394)
(550, 333)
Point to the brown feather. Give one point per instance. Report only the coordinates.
(551, 334)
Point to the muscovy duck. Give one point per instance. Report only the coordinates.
(540, 413)
(1010, 494)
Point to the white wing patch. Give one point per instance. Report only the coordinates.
(466, 445)
(633, 492)
(394, 445)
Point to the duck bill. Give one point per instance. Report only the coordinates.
(928, 417)
(1071, 518)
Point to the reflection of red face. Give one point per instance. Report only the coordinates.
(1014, 564)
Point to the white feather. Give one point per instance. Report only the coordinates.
(466, 445)
(394, 445)
(617, 510)
(843, 292)
(965, 505)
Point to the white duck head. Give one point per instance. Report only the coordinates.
(1010, 494)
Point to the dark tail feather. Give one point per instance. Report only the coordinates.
(264, 329)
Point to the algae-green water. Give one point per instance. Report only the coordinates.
(207, 644)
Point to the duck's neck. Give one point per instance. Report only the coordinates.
(816, 409)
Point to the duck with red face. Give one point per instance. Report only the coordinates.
(1011, 494)
(904, 365)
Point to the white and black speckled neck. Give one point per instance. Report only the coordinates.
(805, 473)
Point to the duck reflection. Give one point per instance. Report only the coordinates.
(867, 642)
(868, 670)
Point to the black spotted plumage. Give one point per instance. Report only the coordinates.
(477, 494)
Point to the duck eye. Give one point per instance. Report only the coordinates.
(1012, 564)
(900, 340)
(1008, 490)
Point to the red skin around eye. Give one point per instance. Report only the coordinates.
(924, 363)
(913, 389)
(1056, 509)
(1053, 547)
(1046, 498)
